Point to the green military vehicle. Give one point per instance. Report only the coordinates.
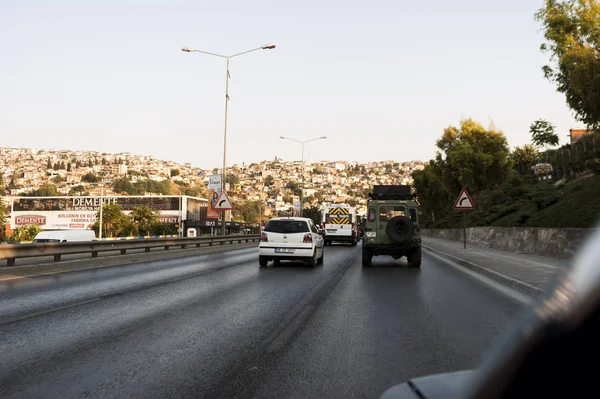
(392, 225)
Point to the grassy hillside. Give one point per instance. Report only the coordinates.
(519, 204)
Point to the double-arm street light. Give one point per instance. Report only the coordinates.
(227, 76)
(302, 165)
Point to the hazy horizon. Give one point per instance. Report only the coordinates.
(216, 167)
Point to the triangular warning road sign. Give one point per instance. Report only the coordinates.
(223, 203)
(464, 201)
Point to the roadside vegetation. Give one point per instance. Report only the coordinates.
(142, 221)
(513, 188)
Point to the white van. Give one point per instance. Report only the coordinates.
(65, 236)
(339, 222)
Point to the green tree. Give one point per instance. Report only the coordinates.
(472, 156)
(62, 165)
(90, 164)
(143, 219)
(114, 221)
(123, 185)
(524, 157)
(469, 156)
(314, 213)
(543, 134)
(249, 211)
(352, 202)
(269, 181)
(431, 193)
(45, 190)
(294, 187)
(77, 190)
(69, 167)
(232, 179)
(572, 32)
(3, 209)
(162, 229)
(58, 179)
(90, 178)
(49, 164)
(319, 197)
(25, 233)
(174, 172)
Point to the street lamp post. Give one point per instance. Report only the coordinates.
(104, 181)
(302, 142)
(227, 77)
(101, 206)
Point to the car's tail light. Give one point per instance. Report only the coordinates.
(307, 238)
(263, 237)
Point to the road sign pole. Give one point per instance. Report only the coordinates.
(463, 203)
(465, 230)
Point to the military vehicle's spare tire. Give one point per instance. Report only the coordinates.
(399, 229)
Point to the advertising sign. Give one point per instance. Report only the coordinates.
(50, 220)
(214, 190)
(53, 213)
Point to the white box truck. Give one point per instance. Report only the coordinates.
(339, 223)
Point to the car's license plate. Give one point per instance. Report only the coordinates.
(284, 250)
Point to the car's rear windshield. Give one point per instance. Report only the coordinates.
(287, 226)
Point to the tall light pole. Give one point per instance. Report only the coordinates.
(302, 142)
(101, 206)
(227, 76)
(104, 181)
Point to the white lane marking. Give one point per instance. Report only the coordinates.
(503, 289)
(489, 271)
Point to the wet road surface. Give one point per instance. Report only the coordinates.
(216, 325)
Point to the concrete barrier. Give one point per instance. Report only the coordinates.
(559, 243)
(115, 260)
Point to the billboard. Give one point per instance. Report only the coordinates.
(54, 213)
(214, 190)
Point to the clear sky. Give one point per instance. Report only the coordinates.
(380, 78)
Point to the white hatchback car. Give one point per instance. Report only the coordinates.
(291, 238)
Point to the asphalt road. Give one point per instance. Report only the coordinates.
(216, 325)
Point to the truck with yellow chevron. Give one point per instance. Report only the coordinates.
(340, 224)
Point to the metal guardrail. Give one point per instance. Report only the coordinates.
(11, 252)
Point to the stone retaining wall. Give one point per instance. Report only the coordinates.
(553, 242)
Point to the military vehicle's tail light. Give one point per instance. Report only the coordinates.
(263, 237)
(371, 234)
(307, 238)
